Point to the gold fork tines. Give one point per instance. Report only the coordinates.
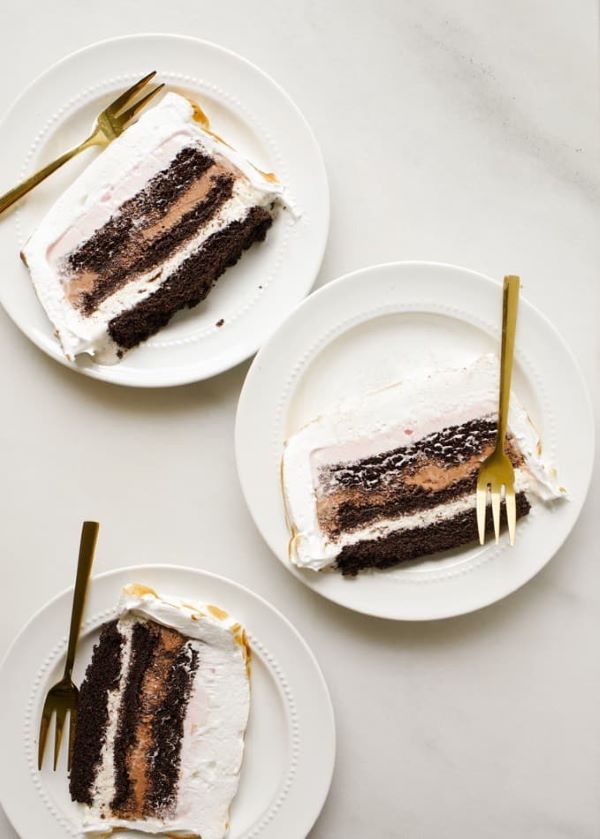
(62, 697)
(110, 122)
(497, 474)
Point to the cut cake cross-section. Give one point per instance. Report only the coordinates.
(392, 477)
(162, 715)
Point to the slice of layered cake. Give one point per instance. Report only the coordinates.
(392, 477)
(161, 720)
(146, 230)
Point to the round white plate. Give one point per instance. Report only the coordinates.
(290, 743)
(368, 330)
(245, 106)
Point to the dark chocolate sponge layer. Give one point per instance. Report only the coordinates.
(102, 676)
(192, 281)
(167, 732)
(406, 545)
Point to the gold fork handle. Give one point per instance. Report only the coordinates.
(87, 546)
(9, 198)
(509, 327)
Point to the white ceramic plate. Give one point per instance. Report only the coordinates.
(290, 744)
(367, 330)
(246, 107)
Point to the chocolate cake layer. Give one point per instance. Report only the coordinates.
(439, 468)
(167, 732)
(192, 281)
(102, 676)
(405, 545)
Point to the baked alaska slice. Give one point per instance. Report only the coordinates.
(162, 714)
(146, 230)
(392, 477)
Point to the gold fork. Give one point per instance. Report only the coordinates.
(111, 122)
(63, 696)
(497, 471)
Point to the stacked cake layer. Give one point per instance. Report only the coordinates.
(392, 478)
(162, 714)
(146, 230)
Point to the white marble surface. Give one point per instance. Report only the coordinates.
(462, 132)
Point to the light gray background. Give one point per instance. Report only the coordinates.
(458, 131)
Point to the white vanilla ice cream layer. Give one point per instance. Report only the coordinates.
(214, 726)
(121, 171)
(391, 418)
